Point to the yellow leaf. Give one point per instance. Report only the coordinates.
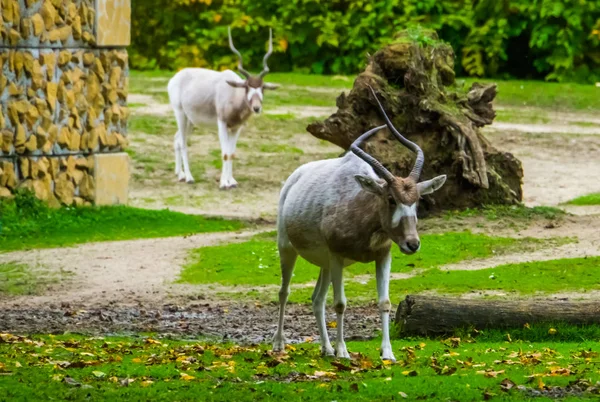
(217, 17)
(136, 360)
(186, 377)
(387, 362)
(146, 383)
(113, 379)
(17, 364)
(332, 324)
(152, 341)
(552, 331)
(98, 374)
(57, 377)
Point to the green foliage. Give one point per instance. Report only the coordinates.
(260, 260)
(26, 222)
(75, 367)
(552, 39)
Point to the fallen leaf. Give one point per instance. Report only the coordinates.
(411, 373)
(126, 381)
(332, 324)
(146, 383)
(71, 382)
(186, 377)
(17, 364)
(340, 366)
(402, 394)
(552, 331)
(507, 384)
(489, 373)
(98, 374)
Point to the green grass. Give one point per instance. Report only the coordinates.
(497, 212)
(17, 279)
(280, 148)
(516, 93)
(518, 116)
(549, 95)
(27, 223)
(590, 199)
(153, 125)
(74, 367)
(260, 261)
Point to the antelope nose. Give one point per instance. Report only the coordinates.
(413, 245)
(256, 109)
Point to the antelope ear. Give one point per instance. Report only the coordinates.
(237, 84)
(377, 187)
(269, 85)
(429, 186)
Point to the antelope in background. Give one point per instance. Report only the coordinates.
(339, 211)
(199, 95)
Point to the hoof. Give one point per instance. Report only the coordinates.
(190, 181)
(182, 180)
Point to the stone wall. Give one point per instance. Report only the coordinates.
(63, 93)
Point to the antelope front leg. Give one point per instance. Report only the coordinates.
(339, 302)
(232, 146)
(383, 268)
(226, 168)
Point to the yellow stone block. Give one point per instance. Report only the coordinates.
(37, 76)
(51, 94)
(7, 140)
(77, 30)
(48, 60)
(48, 14)
(64, 57)
(26, 28)
(88, 58)
(38, 24)
(111, 172)
(14, 90)
(31, 144)
(20, 137)
(114, 20)
(64, 137)
(24, 167)
(13, 37)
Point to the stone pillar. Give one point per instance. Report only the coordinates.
(63, 99)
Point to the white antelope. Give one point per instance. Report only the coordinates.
(339, 211)
(199, 95)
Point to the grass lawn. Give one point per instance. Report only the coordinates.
(71, 367)
(27, 223)
(515, 93)
(259, 257)
(590, 199)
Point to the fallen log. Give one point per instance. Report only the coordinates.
(430, 315)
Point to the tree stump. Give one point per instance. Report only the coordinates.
(414, 78)
(429, 315)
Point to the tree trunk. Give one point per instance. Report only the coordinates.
(414, 78)
(429, 315)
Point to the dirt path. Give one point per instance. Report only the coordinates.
(126, 272)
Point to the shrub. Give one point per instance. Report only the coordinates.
(552, 39)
